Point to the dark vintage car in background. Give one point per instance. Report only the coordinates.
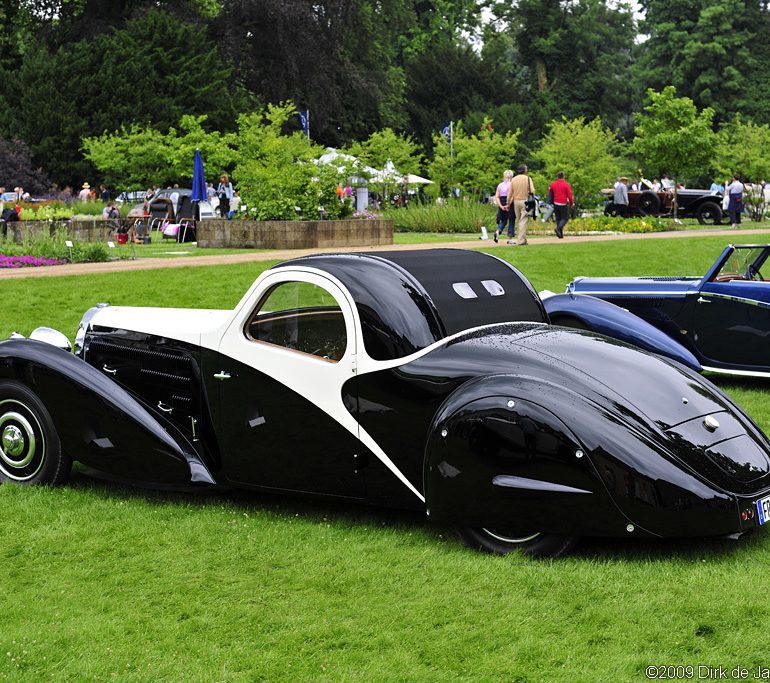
(701, 204)
(720, 319)
(423, 380)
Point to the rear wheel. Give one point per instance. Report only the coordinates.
(30, 451)
(649, 203)
(502, 542)
(709, 212)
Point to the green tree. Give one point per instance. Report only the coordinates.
(473, 163)
(711, 50)
(151, 73)
(385, 145)
(743, 148)
(673, 137)
(138, 155)
(276, 173)
(588, 153)
(446, 81)
(577, 54)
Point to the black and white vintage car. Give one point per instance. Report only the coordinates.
(426, 380)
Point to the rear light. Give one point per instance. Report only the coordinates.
(747, 514)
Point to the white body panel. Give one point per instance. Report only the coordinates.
(184, 324)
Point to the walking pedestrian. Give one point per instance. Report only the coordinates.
(521, 188)
(563, 201)
(225, 193)
(735, 203)
(504, 215)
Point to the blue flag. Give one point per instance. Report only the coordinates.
(304, 119)
(446, 131)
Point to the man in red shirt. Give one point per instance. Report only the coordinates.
(562, 202)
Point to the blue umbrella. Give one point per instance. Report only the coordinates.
(199, 179)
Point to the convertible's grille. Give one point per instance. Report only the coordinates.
(662, 278)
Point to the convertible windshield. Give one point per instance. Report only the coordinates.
(743, 264)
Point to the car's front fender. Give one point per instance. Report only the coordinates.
(98, 422)
(613, 321)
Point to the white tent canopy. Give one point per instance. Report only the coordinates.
(336, 158)
(412, 179)
(389, 174)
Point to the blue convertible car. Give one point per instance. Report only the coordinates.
(718, 322)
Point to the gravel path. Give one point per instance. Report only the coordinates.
(193, 261)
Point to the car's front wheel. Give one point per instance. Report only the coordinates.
(709, 212)
(30, 450)
(502, 542)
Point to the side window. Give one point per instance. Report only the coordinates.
(302, 317)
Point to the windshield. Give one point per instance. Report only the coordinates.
(743, 264)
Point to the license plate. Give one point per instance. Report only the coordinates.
(763, 509)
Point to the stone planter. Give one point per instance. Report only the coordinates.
(294, 234)
(81, 231)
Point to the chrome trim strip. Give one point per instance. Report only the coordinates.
(739, 299)
(512, 482)
(620, 292)
(739, 373)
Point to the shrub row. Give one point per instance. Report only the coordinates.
(465, 217)
(460, 217)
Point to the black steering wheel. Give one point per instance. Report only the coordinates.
(753, 273)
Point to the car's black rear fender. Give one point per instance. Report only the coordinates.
(586, 471)
(496, 456)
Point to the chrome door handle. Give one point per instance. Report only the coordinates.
(701, 300)
(109, 370)
(162, 406)
(222, 375)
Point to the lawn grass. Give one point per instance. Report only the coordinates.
(110, 583)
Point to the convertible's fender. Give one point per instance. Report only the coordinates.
(98, 422)
(613, 321)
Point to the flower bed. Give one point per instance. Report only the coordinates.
(27, 261)
(618, 224)
(49, 249)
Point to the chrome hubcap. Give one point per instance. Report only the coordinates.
(22, 449)
(13, 441)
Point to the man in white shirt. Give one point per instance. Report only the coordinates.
(735, 205)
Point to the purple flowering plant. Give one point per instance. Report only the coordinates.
(366, 215)
(27, 261)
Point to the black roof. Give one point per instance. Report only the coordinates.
(409, 299)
